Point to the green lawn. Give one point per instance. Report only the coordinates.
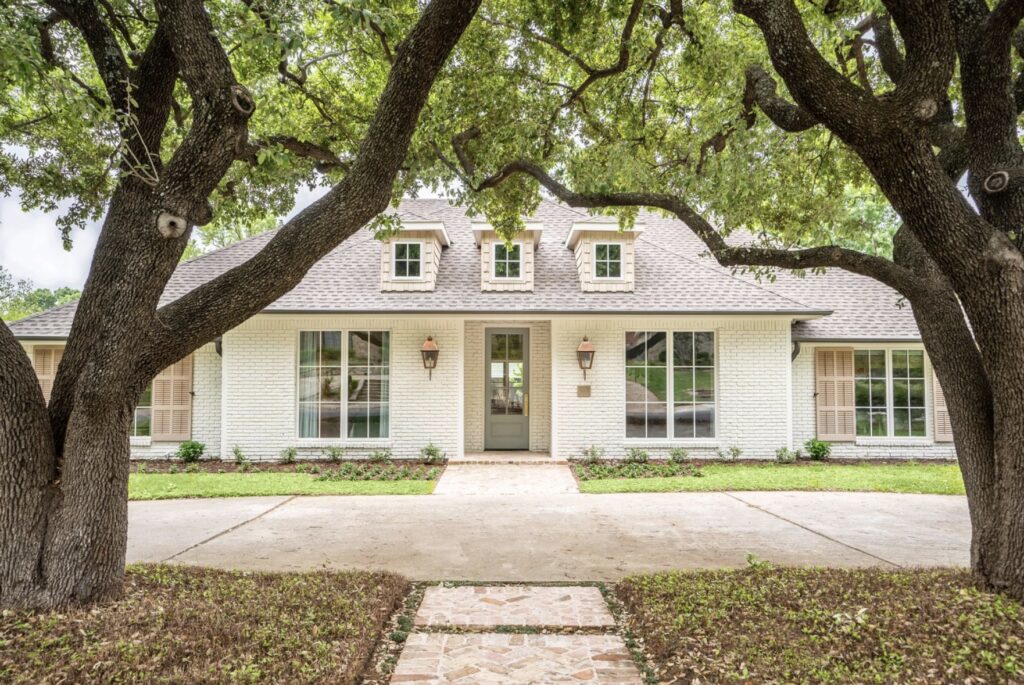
(938, 479)
(143, 486)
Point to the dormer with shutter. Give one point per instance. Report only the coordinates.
(604, 255)
(506, 266)
(410, 260)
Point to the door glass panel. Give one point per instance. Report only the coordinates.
(506, 383)
(515, 347)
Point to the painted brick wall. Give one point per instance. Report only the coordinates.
(475, 392)
(260, 386)
(752, 385)
(804, 420)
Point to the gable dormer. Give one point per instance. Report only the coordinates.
(605, 255)
(410, 259)
(506, 266)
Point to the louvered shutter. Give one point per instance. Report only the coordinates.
(943, 428)
(836, 415)
(172, 402)
(46, 360)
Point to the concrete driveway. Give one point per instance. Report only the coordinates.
(552, 537)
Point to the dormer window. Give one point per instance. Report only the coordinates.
(507, 260)
(408, 260)
(608, 260)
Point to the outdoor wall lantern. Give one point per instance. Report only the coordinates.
(585, 355)
(429, 352)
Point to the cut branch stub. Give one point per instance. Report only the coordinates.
(170, 226)
(996, 182)
(926, 109)
(242, 100)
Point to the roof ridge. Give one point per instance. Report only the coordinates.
(722, 271)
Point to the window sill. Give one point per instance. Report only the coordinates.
(893, 442)
(711, 443)
(343, 442)
(140, 441)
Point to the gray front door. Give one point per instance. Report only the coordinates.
(507, 421)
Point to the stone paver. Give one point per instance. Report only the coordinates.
(515, 658)
(513, 605)
(506, 480)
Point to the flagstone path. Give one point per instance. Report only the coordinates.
(452, 640)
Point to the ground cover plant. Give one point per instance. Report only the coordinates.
(770, 624)
(911, 477)
(177, 624)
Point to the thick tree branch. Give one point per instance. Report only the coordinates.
(889, 53)
(324, 158)
(761, 89)
(238, 294)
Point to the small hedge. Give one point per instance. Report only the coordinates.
(380, 471)
(602, 471)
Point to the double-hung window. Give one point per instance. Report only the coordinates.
(507, 260)
(889, 393)
(362, 410)
(408, 262)
(608, 260)
(670, 371)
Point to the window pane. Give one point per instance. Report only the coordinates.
(143, 422)
(500, 253)
(863, 422)
(899, 392)
(512, 270)
(878, 393)
(413, 270)
(704, 344)
(878, 422)
(330, 420)
(602, 253)
(499, 398)
(330, 385)
(636, 384)
(615, 270)
(861, 363)
(514, 403)
(916, 393)
(704, 384)
(684, 415)
(378, 421)
(401, 269)
(657, 385)
(657, 353)
(704, 421)
(501, 269)
(379, 385)
(357, 347)
(309, 385)
(899, 364)
(516, 373)
(401, 251)
(683, 385)
(308, 420)
(615, 252)
(146, 398)
(878, 363)
(901, 422)
(636, 349)
(331, 349)
(309, 348)
(358, 383)
(499, 346)
(862, 391)
(378, 348)
(636, 420)
(915, 363)
(917, 422)
(513, 254)
(657, 420)
(515, 346)
(682, 349)
(358, 421)
(414, 252)
(601, 270)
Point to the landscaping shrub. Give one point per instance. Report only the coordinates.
(432, 454)
(190, 451)
(784, 455)
(334, 454)
(634, 470)
(635, 455)
(239, 455)
(677, 455)
(592, 455)
(288, 455)
(818, 450)
(380, 456)
(731, 454)
(353, 470)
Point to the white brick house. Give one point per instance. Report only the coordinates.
(687, 354)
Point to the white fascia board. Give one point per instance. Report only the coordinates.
(580, 227)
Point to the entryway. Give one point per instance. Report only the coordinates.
(507, 418)
(506, 479)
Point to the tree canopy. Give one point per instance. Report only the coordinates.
(21, 298)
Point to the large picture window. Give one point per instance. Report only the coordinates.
(362, 410)
(507, 260)
(890, 395)
(670, 371)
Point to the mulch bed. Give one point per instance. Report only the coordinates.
(187, 625)
(214, 466)
(767, 624)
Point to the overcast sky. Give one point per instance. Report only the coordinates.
(30, 244)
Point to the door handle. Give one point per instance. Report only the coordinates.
(526, 404)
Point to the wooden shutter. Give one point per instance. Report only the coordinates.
(172, 402)
(46, 359)
(943, 428)
(836, 415)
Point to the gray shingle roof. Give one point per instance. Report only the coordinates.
(672, 277)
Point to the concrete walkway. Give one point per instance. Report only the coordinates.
(552, 537)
